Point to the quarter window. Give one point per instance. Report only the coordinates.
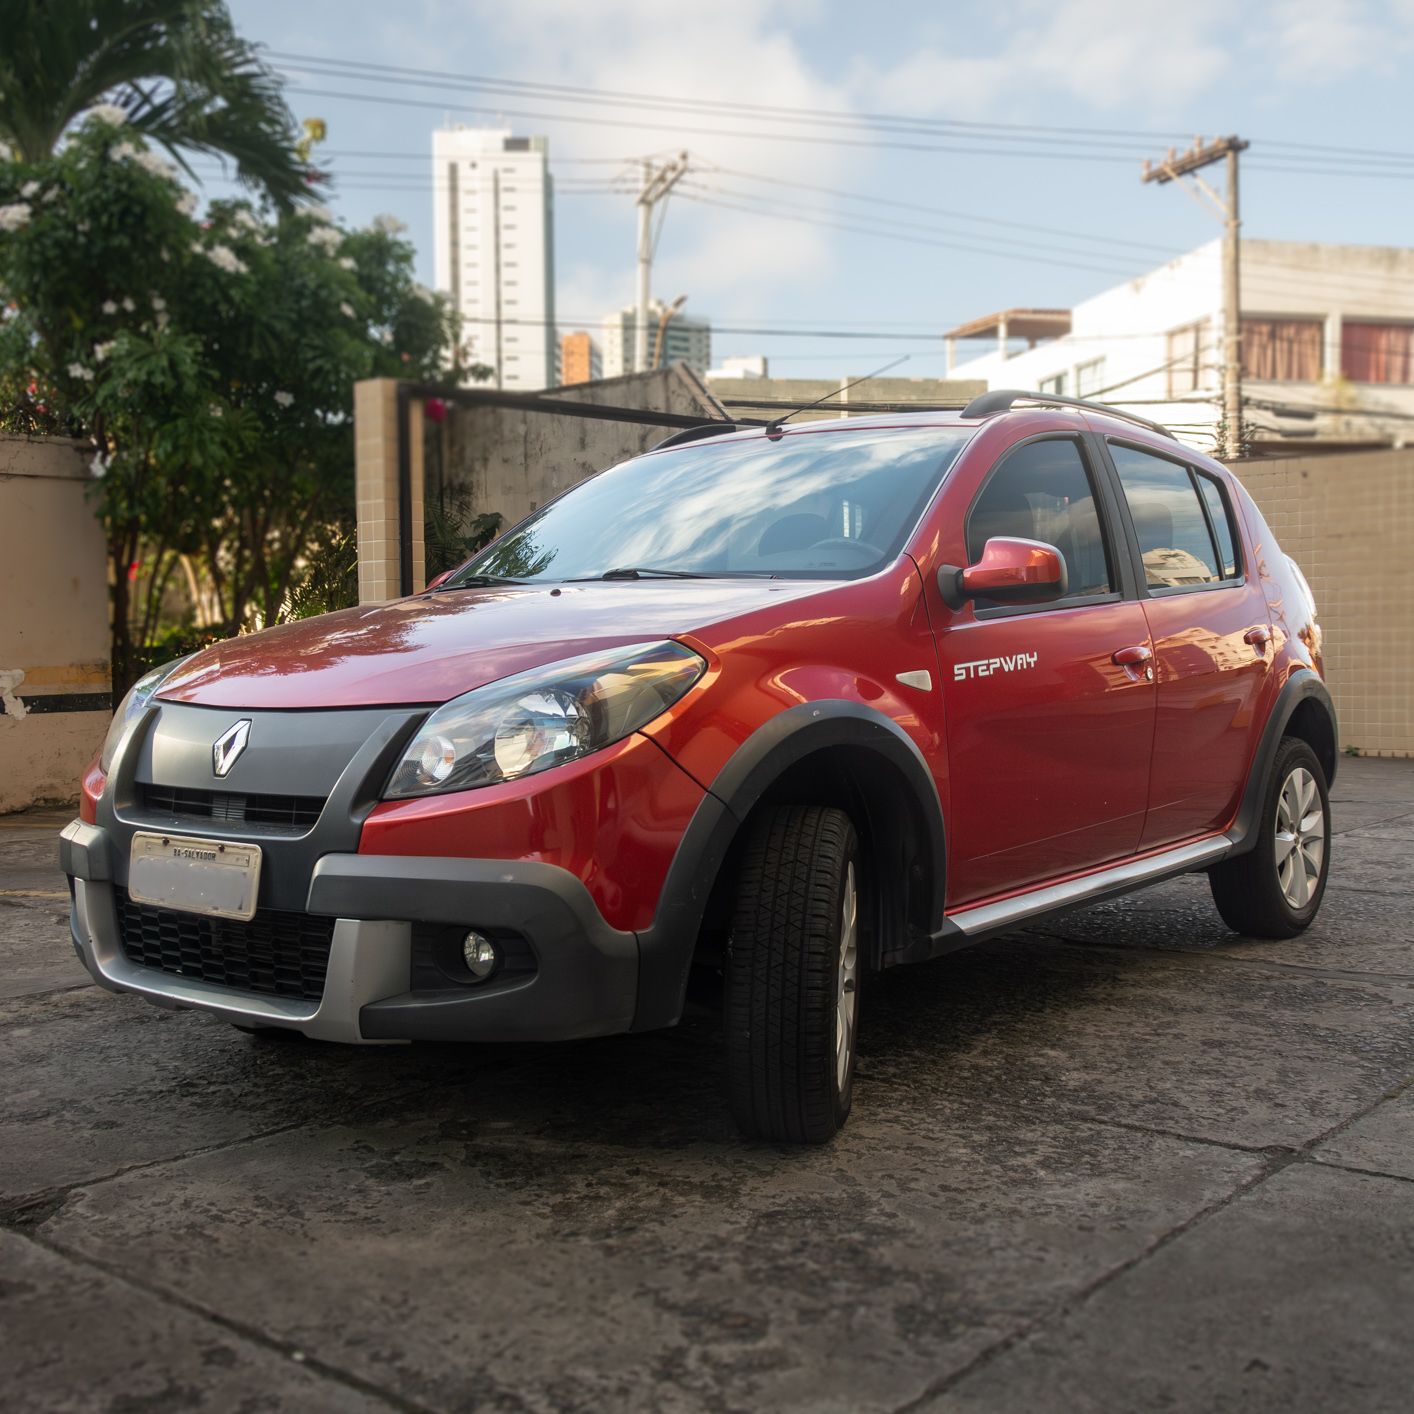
(1221, 517)
(1042, 491)
(1175, 535)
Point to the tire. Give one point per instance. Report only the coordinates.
(1275, 889)
(792, 976)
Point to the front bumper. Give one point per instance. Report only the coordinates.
(584, 980)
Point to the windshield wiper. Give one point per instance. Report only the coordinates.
(478, 581)
(641, 572)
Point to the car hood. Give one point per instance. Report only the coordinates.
(435, 646)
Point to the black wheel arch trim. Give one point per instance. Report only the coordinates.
(666, 948)
(1304, 685)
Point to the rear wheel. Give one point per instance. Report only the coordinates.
(1275, 889)
(792, 976)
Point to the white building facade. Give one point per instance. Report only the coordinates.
(1327, 345)
(685, 340)
(493, 215)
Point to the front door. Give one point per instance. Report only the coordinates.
(1049, 708)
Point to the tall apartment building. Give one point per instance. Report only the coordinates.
(495, 250)
(580, 361)
(685, 340)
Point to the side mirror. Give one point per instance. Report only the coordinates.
(1011, 571)
(440, 579)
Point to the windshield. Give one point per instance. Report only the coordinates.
(826, 505)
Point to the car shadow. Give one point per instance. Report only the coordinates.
(665, 1090)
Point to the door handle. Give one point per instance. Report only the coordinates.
(1258, 637)
(1134, 657)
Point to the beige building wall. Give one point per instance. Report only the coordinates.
(1348, 521)
(54, 663)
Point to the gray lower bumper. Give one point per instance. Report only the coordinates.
(584, 984)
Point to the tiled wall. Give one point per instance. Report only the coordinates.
(376, 482)
(1348, 521)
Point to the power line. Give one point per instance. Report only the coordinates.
(813, 139)
(884, 234)
(781, 112)
(681, 103)
(880, 142)
(769, 207)
(944, 211)
(784, 329)
(778, 182)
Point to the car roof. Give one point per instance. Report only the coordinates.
(1042, 416)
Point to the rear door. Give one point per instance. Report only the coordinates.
(1048, 735)
(1210, 627)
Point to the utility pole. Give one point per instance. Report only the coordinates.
(1187, 164)
(657, 182)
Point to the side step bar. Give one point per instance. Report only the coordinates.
(971, 925)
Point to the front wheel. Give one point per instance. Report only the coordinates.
(1275, 889)
(792, 976)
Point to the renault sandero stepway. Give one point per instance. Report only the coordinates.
(788, 705)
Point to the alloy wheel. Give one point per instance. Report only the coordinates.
(1300, 838)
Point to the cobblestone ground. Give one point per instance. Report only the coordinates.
(1127, 1161)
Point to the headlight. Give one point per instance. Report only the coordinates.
(543, 718)
(131, 705)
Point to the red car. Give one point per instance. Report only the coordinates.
(790, 705)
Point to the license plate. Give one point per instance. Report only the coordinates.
(215, 877)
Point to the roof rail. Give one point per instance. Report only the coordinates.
(989, 404)
(706, 429)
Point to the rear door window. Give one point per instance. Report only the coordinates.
(1175, 534)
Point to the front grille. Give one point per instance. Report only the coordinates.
(278, 954)
(290, 811)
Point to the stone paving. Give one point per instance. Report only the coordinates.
(1126, 1161)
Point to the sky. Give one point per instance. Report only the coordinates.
(901, 224)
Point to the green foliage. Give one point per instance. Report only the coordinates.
(452, 530)
(211, 365)
(175, 68)
(329, 576)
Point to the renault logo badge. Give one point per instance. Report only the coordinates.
(226, 749)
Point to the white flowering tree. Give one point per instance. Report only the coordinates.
(209, 363)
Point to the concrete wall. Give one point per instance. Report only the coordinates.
(1348, 521)
(799, 391)
(54, 664)
(511, 460)
(514, 461)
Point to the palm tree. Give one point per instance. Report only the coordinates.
(177, 68)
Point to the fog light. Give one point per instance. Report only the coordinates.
(480, 955)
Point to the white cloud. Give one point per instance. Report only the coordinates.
(1325, 40)
(1105, 53)
(743, 51)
